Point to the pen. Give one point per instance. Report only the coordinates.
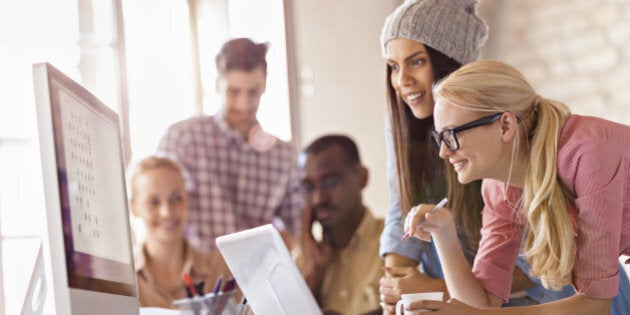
(199, 286)
(244, 309)
(436, 208)
(190, 284)
(217, 287)
(220, 304)
(231, 284)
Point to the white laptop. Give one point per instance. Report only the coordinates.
(266, 273)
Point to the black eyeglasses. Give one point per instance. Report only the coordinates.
(325, 184)
(449, 135)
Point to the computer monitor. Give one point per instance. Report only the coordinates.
(87, 246)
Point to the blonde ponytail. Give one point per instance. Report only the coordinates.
(549, 245)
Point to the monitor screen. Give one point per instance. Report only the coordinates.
(89, 238)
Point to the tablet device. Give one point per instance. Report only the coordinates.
(266, 273)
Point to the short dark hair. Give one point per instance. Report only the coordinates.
(241, 54)
(347, 145)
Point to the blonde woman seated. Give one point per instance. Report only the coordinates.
(159, 198)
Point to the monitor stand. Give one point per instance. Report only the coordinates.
(36, 291)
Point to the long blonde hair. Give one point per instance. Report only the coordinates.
(490, 86)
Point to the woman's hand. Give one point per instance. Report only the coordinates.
(402, 280)
(425, 219)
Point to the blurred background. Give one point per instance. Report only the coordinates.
(152, 61)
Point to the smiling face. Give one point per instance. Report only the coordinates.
(241, 91)
(484, 151)
(161, 201)
(411, 75)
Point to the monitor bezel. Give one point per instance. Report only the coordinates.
(73, 293)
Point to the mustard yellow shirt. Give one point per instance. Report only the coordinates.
(351, 282)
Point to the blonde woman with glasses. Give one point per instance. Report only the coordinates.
(556, 188)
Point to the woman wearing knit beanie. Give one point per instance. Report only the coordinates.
(424, 41)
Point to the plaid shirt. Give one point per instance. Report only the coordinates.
(234, 186)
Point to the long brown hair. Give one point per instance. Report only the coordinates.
(422, 176)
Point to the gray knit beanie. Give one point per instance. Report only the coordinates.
(449, 26)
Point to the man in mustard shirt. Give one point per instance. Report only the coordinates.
(340, 263)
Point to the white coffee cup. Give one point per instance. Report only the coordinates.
(406, 299)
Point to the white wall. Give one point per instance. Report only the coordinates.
(574, 51)
(341, 75)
